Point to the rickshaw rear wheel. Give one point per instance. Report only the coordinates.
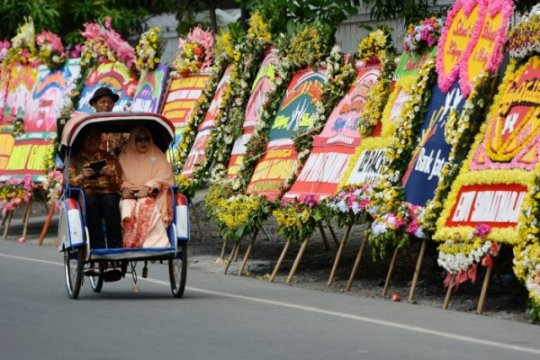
(73, 266)
(178, 272)
(96, 282)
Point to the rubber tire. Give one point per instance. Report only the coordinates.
(96, 282)
(73, 269)
(178, 272)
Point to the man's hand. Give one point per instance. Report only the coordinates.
(87, 171)
(143, 192)
(126, 193)
(106, 170)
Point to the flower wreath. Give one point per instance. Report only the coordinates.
(149, 49)
(195, 52)
(4, 47)
(23, 46)
(524, 39)
(460, 259)
(422, 36)
(16, 191)
(50, 50)
(103, 44)
(460, 133)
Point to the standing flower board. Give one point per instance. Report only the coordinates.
(197, 154)
(260, 93)
(295, 116)
(50, 96)
(150, 90)
(333, 147)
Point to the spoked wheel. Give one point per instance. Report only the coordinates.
(178, 272)
(73, 266)
(96, 282)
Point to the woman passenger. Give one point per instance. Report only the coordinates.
(145, 209)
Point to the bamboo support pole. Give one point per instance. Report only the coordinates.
(357, 263)
(448, 295)
(26, 217)
(229, 261)
(46, 225)
(7, 224)
(333, 233)
(417, 269)
(280, 260)
(297, 261)
(485, 285)
(323, 234)
(390, 272)
(248, 252)
(338, 255)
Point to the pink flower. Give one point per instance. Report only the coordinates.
(481, 230)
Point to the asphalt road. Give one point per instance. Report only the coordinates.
(226, 317)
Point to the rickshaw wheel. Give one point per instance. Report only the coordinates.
(73, 266)
(178, 272)
(96, 282)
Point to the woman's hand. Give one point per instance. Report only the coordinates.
(143, 192)
(167, 219)
(126, 193)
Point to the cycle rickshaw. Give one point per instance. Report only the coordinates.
(80, 259)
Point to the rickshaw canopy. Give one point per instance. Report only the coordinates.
(161, 128)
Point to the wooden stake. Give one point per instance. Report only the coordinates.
(338, 255)
(485, 285)
(280, 260)
(46, 225)
(235, 247)
(417, 269)
(248, 252)
(223, 248)
(390, 272)
(197, 222)
(8, 223)
(236, 251)
(333, 233)
(26, 217)
(448, 295)
(297, 261)
(323, 234)
(357, 263)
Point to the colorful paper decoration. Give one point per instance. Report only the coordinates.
(6, 146)
(116, 76)
(19, 94)
(5, 73)
(50, 96)
(182, 95)
(28, 156)
(150, 90)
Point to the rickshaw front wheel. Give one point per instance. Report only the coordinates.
(73, 266)
(178, 272)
